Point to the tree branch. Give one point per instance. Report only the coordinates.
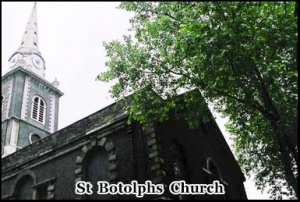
(266, 98)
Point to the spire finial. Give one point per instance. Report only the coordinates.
(29, 41)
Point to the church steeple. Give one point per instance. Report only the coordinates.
(30, 103)
(29, 41)
(28, 55)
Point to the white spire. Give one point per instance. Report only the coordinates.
(28, 55)
(29, 43)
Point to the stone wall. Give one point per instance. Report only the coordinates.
(57, 162)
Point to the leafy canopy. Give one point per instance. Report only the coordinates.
(242, 56)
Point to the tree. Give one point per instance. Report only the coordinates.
(242, 56)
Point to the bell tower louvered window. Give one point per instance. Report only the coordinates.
(38, 109)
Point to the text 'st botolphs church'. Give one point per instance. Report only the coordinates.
(39, 162)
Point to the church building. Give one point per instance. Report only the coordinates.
(41, 162)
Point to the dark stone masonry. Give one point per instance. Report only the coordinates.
(103, 147)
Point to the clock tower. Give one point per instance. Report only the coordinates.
(29, 107)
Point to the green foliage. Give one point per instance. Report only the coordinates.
(242, 56)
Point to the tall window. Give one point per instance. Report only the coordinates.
(213, 173)
(96, 169)
(178, 161)
(38, 110)
(179, 166)
(24, 189)
(2, 99)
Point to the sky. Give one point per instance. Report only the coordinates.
(71, 36)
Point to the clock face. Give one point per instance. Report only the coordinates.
(14, 60)
(37, 61)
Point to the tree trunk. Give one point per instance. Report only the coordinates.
(281, 137)
(285, 157)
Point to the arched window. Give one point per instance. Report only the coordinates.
(96, 169)
(214, 174)
(38, 110)
(23, 189)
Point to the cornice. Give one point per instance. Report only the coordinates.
(33, 76)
